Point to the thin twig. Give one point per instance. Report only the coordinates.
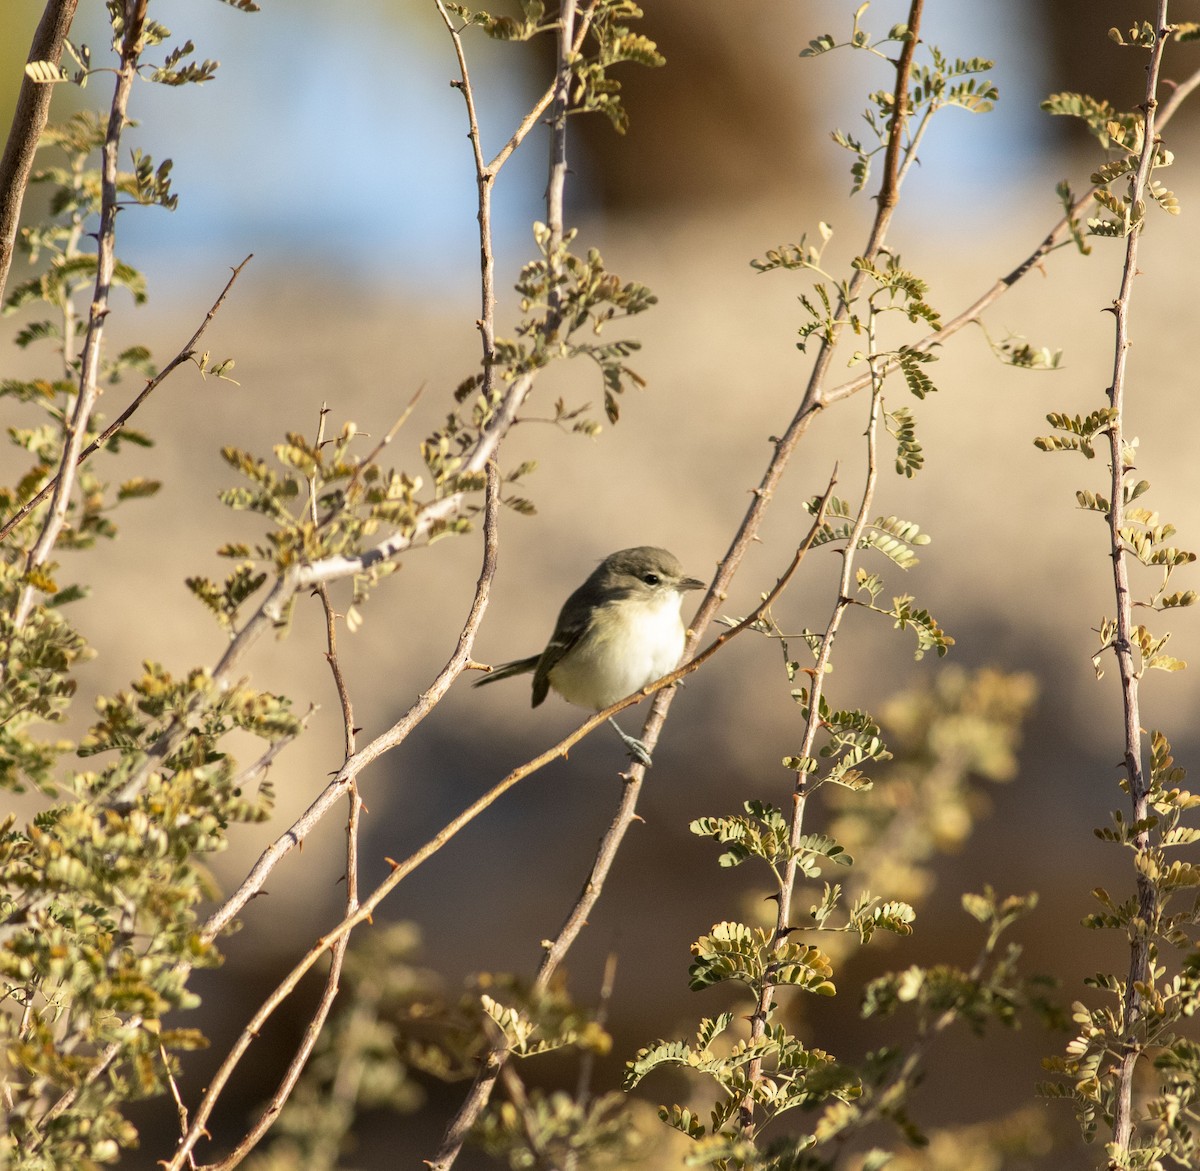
(813, 723)
(343, 783)
(889, 188)
(180, 1106)
(1123, 640)
(886, 203)
(485, 178)
(29, 120)
(85, 401)
(587, 1061)
(485, 175)
(337, 957)
(1058, 235)
(188, 352)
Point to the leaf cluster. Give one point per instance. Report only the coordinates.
(1121, 135)
(321, 498)
(1141, 531)
(936, 84)
(1166, 1122)
(556, 1129)
(852, 739)
(897, 540)
(99, 928)
(610, 41)
(760, 1076)
(561, 295)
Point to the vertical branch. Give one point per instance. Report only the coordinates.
(556, 186)
(485, 177)
(812, 724)
(493, 1061)
(813, 400)
(337, 951)
(85, 401)
(1123, 639)
(29, 120)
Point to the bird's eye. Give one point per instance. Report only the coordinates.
(651, 579)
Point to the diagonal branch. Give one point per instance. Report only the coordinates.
(337, 954)
(186, 354)
(356, 912)
(1058, 235)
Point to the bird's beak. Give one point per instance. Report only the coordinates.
(690, 583)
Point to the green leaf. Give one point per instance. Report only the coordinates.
(138, 487)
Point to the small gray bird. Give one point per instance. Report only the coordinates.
(619, 631)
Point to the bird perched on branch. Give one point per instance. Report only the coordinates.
(618, 632)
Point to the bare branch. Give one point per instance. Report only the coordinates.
(29, 120)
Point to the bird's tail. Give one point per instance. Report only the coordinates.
(507, 670)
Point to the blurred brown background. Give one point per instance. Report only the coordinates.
(332, 147)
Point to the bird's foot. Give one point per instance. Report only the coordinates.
(637, 750)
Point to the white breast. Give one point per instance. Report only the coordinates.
(641, 645)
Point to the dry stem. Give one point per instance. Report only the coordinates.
(185, 354)
(1122, 643)
(29, 120)
(85, 401)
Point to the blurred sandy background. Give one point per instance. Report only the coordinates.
(332, 147)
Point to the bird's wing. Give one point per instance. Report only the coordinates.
(565, 636)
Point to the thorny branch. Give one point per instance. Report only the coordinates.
(85, 400)
(185, 354)
(29, 120)
(1123, 640)
(345, 783)
(337, 953)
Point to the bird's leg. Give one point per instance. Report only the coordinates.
(636, 748)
